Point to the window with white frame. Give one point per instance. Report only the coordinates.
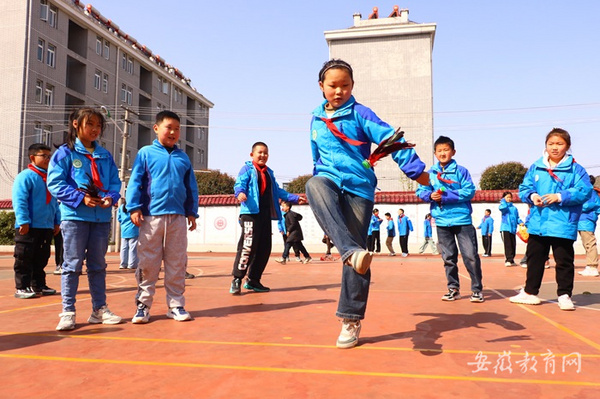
(126, 94)
(39, 89)
(98, 45)
(49, 95)
(97, 79)
(53, 16)
(105, 83)
(44, 10)
(51, 55)
(178, 94)
(163, 85)
(47, 135)
(130, 65)
(38, 132)
(106, 51)
(40, 50)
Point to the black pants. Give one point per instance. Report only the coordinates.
(32, 252)
(487, 244)
(404, 244)
(510, 245)
(254, 247)
(58, 249)
(374, 242)
(538, 249)
(288, 246)
(298, 247)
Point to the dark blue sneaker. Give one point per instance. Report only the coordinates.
(236, 286)
(142, 314)
(256, 286)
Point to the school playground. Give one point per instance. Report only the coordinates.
(281, 344)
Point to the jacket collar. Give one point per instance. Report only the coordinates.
(342, 111)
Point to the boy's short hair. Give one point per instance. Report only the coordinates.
(287, 203)
(444, 140)
(37, 147)
(388, 214)
(488, 210)
(504, 194)
(162, 115)
(400, 209)
(428, 215)
(259, 143)
(375, 210)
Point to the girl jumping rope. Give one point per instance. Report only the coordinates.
(83, 176)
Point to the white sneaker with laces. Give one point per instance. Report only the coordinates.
(67, 321)
(349, 335)
(178, 314)
(525, 298)
(508, 264)
(104, 316)
(142, 314)
(565, 303)
(589, 271)
(360, 261)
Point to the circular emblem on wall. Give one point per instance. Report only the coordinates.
(314, 134)
(77, 163)
(220, 223)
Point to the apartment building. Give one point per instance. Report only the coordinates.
(392, 61)
(58, 55)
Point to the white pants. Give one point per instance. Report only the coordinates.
(162, 239)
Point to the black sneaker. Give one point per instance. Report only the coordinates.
(236, 286)
(45, 291)
(189, 276)
(477, 296)
(452, 295)
(256, 286)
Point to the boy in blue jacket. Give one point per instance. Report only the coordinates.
(129, 238)
(37, 220)
(258, 193)
(391, 233)
(162, 198)
(404, 228)
(487, 228)
(586, 228)
(508, 227)
(374, 243)
(449, 193)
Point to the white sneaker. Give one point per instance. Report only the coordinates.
(142, 314)
(178, 314)
(565, 303)
(589, 271)
(508, 264)
(360, 261)
(280, 260)
(104, 316)
(524, 265)
(67, 321)
(349, 336)
(525, 298)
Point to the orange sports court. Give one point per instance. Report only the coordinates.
(281, 344)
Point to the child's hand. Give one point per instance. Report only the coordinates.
(537, 200)
(242, 197)
(106, 202)
(301, 200)
(56, 229)
(24, 229)
(136, 217)
(436, 196)
(191, 223)
(550, 199)
(92, 202)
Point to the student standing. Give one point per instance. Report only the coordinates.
(508, 227)
(404, 228)
(391, 233)
(487, 228)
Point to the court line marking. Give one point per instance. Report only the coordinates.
(304, 371)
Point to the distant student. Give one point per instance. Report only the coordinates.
(294, 231)
(391, 233)
(428, 236)
(37, 220)
(508, 227)
(162, 199)
(557, 187)
(286, 245)
(586, 228)
(487, 228)
(404, 228)
(83, 176)
(129, 238)
(258, 193)
(341, 192)
(449, 194)
(375, 242)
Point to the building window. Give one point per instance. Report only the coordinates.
(38, 132)
(49, 95)
(98, 45)
(105, 83)
(40, 50)
(53, 16)
(106, 51)
(47, 135)
(97, 79)
(178, 95)
(163, 85)
(124, 61)
(39, 89)
(130, 65)
(126, 94)
(51, 55)
(43, 10)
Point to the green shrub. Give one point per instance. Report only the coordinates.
(296, 186)
(504, 176)
(7, 228)
(213, 182)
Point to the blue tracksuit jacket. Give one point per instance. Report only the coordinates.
(29, 202)
(573, 184)
(510, 217)
(162, 182)
(128, 229)
(404, 225)
(391, 228)
(70, 170)
(247, 183)
(589, 214)
(487, 225)
(341, 162)
(455, 208)
(427, 227)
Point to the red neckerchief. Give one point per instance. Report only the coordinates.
(333, 128)
(95, 173)
(263, 176)
(440, 178)
(43, 175)
(554, 176)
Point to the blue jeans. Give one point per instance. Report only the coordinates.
(467, 242)
(129, 256)
(84, 241)
(344, 217)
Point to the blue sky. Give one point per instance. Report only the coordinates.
(504, 73)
